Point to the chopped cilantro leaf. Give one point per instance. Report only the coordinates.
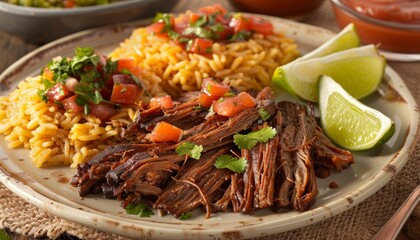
(217, 27)
(83, 57)
(163, 17)
(199, 32)
(229, 94)
(141, 209)
(241, 36)
(235, 164)
(185, 216)
(172, 34)
(134, 77)
(264, 115)
(111, 66)
(183, 39)
(248, 141)
(189, 149)
(212, 18)
(60, 68)
(83, 51)
(47, 83)
(200, 21)
(4, 235)
(208, 50)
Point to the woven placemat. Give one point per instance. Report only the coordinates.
(360, 222)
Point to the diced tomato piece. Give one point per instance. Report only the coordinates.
(227, 106)
(122, 79)
(57, 93)
(180, 23)
(213, 9)
(239, 23)
(156, 138)
(48, 74)
(207, 100)
(201, 46)
(164, 102)
(88, 68)
(70, 104)
(125, 93)
(158, 29)
(193, 17)
(69, 3)
(214, 88)
(247, 100)
(225, 34)
(167, 132)
(224, 19)
(260, 25)
(126, 63)
(104, 111)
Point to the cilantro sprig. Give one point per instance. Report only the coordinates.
(190, 149)
(186, 216)
(84, 67)
(248, 141)
(235, 164)
(264, 115)
(141, 209)
(4, 235)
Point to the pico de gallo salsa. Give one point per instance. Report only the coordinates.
(215, 96)
(222, 99)
(90, 83)
(197, 31)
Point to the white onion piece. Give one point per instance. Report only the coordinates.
(71, 84)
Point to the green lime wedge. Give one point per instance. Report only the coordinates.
(347, 38)
(348, 122)
(358, 70)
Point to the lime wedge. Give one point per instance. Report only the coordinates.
(358, 70)
(348, 122)
(347, 38)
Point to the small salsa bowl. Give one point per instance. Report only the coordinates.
(292, 9)
(402, 38)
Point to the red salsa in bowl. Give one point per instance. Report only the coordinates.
(392, 24)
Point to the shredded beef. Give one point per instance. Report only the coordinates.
(280, 173)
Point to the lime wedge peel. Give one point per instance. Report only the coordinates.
(347, 38)
(350, 123)
(358, 70)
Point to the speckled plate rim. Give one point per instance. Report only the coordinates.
(53, 203)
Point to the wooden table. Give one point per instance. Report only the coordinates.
(11, 48)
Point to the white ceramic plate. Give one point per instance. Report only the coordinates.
(49, 189)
